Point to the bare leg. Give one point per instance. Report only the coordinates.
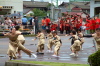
(19, 53)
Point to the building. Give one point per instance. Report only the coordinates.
(68, 6)
(28, 6)
(94, 8)
(9, 6)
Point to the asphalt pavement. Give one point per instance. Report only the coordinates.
(64, 51)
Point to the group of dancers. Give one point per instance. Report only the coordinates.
(16, 42)
(76, 42)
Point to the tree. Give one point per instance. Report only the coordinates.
(38, 12)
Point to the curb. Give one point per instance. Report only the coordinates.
(11, 63)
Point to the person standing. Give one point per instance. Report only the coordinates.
(19, 21)
(36, 24)
(43, 21)
(48, 22)
(7, 22)
(30, 20)
(97, 22)
(24, 21)
(61, 26)
(67, 27)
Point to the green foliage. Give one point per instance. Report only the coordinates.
(49, 5)
(31, 14)
(94, 59)
(38, 12)
(51, 63)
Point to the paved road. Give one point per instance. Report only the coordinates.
(64, 51)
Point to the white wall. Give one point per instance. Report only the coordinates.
(92, 7)
(29, 12)
(17, 4)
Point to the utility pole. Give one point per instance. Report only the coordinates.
(52, 8)
(57, 3)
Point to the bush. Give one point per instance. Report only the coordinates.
(94, 59)
(38, 12)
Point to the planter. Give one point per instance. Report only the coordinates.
(11, 63)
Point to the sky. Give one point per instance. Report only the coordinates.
(54, 1)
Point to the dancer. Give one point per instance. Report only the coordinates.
(81, 40)
(57, 42)
(14, 44)
(20, 38)
(96, 37)
(80, 34)
(50, 44)
(40, 46)
(75, 48)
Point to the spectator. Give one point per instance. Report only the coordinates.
(19, 21)
(43, 23)
(30, 20)
(15, 21)
(7, 22)
(36, 24)
(24, 20)
(48, 23)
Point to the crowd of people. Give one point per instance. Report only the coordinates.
(63, 24)
(72, 22)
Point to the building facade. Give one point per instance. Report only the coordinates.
(9, 6)
(94, 8)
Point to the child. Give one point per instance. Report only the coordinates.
(80, 34)
(81, 39)
(50, 44)
(40, 46)
(57, 42)
(75, 44)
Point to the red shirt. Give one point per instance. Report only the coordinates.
(47, 21)
(53, 27)
(93, 23)
(87, 26)
(90, 24)
(97, 22)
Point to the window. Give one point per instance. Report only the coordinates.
(97, 2)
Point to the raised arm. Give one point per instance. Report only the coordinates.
(24, 33)
(89, 35)
(4, 34)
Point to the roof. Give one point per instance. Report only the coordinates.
(83, 5)
(73, 13)
(35, 4)
(75, 8)
(26, 10)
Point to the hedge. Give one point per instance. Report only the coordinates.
(94, 59)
